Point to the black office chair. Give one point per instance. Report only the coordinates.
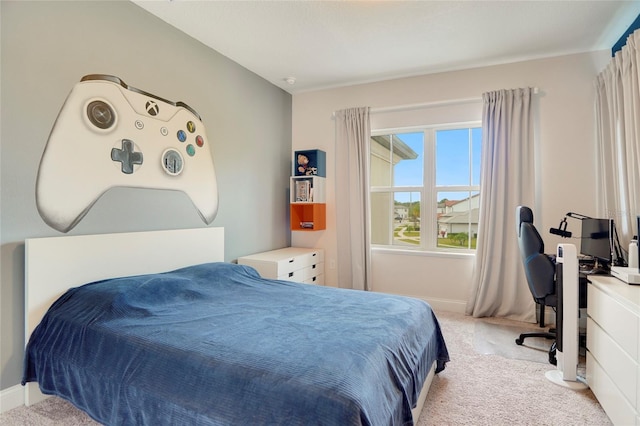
(540, 270)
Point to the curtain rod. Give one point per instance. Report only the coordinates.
(427, 104)
(424, 105)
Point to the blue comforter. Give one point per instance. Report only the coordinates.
(216, 344)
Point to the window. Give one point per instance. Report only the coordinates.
(425, 187)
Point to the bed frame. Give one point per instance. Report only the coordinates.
(55, 264)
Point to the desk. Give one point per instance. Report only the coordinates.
(613, 347)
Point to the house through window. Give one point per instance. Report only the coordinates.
(425, 187)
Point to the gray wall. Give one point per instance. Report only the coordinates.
(46, 48)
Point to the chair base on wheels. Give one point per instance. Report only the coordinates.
(546, 335)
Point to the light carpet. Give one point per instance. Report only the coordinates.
(489, 381)
(496, 382)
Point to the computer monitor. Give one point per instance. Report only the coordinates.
(596, 240)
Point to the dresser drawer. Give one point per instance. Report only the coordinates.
(287, 265)
(621, 324)
(309, 259)
(615, 405)
(317, 279)
(290, 264)
(297, 276)
(618, 365)
(312, 271)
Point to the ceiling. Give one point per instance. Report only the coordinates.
(323, 44)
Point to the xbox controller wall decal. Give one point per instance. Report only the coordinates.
(108, 135)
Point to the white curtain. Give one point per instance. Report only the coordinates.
(618, 138)
(353, 132)
(499, 286)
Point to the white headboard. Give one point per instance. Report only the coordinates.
(53, 265)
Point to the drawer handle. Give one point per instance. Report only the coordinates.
(314, 254)
(313, 267)
(291, 260)
(290, 274)
(314, 278)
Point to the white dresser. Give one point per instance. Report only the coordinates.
(290, 264)
(613, 347)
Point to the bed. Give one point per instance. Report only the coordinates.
(155, 328)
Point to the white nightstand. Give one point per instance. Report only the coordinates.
(290, 264)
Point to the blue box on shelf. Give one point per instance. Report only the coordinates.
(310, 162)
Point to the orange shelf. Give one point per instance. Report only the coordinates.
(313, 214)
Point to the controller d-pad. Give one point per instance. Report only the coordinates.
(127, 156)
(100, 114)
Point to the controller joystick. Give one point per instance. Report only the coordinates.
(109, 134)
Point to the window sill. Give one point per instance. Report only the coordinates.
(433, 253)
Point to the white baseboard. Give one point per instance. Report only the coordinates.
(11, 398)
(448, 305)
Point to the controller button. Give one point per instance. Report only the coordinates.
(182, 136)
(191, 126)
(172, 162)
(126, 156)
(164, 131)
(200, 141)
(139, 124)
(191, 150)
(152, 108)
(100, 114)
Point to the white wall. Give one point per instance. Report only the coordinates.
(46, 48)
(565, 149)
